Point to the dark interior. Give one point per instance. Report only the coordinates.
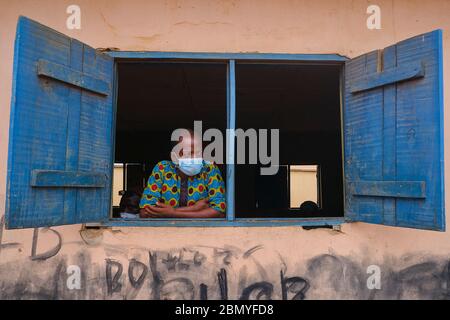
(303, 102)
(156, 97)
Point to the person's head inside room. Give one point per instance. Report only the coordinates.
(309, 207)
(129, 204)
(186, 186)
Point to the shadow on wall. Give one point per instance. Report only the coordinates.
(214, 273)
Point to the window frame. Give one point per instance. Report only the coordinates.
(230, 60)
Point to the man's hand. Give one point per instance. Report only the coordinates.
(161, 210)
(198, 206)
(200, 209)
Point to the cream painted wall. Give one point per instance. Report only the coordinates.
(303, 184)
(228, 26)
(117, 183)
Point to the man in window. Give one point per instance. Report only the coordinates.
(186, 187)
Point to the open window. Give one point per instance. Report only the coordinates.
(302, 101)
(365, 134)
(154, 98)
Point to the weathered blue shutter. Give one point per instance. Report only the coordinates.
(59, 162)
(393, 135)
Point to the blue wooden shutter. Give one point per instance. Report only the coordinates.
(60, 152)
(393, 135)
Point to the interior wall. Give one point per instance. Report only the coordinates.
(334, 264)
(304, 183)
(118, 174)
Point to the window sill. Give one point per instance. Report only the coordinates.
(254, 222)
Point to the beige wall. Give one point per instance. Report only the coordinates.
(117, 183)
(303, 184)
(333, 263)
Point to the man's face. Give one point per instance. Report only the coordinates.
(191, 147)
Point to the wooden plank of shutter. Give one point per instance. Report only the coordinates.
(68, 179)
(401, 73)
(396, 189)
(72, 76)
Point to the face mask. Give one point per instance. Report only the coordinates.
(190, 166)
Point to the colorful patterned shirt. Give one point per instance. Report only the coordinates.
(164, 185)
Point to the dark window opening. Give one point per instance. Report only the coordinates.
(153, 99)
(303, 102)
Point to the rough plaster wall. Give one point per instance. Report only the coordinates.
(238, 262)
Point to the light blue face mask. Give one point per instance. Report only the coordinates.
(190, 166)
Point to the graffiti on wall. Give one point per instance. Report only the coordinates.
(202, 272)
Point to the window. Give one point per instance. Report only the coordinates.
(304, 184)
(154, 98)
(368, 130)
(302, 101)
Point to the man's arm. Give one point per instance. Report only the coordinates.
(198, 206)
(203, 213)
(162, 210)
